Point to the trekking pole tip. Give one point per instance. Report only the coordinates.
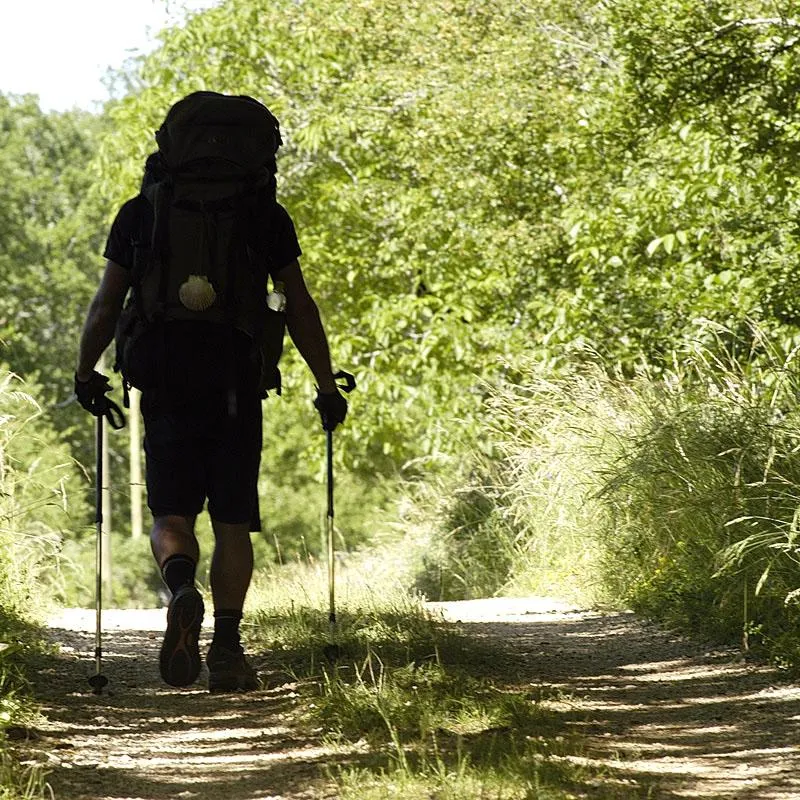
(98, 682)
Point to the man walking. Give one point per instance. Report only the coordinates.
(193, 252)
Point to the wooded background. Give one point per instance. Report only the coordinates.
(491, 199)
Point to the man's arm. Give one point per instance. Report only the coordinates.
(101, 319)
(305, 326)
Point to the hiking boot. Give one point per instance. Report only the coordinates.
(229, 670)
(180, 653)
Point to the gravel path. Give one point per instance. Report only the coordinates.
(653, 710)
(142, 739)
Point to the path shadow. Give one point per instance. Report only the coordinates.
(660, 715)
(636, 712)
(142, 739)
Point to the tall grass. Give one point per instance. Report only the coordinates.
(37, 478)
(673, 491)
(702, 499)
(288, 606)
(17, 781)
(516, 515)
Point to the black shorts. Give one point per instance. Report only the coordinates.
(195, 450)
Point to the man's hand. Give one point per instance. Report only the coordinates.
(92, 392)
(332, 407)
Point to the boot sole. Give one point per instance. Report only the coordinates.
(179, 661)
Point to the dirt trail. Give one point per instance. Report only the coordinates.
(653, 709)
(145, 740)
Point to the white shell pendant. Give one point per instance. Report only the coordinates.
(196, 293)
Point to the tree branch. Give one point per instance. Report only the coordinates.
(729, 27)
(574, 42)
(755, 22)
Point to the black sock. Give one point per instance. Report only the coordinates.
(226, 628)
(178, 571)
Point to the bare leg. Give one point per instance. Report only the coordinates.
(231, 564)
(173, 535)
(179, 659)
(231, 571)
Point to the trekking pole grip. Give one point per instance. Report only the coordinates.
(349, 381)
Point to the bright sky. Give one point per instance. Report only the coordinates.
(61, 49)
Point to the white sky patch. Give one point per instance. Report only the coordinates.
(61, 50)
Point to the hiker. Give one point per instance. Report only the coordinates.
(192, 252)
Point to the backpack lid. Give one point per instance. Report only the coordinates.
(207, 127)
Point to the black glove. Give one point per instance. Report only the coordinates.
(91, 395)
(332, 409)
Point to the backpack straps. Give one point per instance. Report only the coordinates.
(237, 250)
(159, 246)
(160, 196)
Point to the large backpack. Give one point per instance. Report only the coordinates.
(210, 189)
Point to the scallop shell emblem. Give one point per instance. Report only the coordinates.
(196, 293)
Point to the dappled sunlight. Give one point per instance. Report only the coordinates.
(707, 777)
(680, 669)
(144, 739)
(619, 704)
(650, 706)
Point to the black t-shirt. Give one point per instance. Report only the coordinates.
(134, 222)
(196, 350)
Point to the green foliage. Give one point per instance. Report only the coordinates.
(134, 580)
(702, 501)
(672, 492)
(50, 240)
(37, 480)
(731, 66)
(418, 168)
(292, 483)
(473, 545)
(40, 497)
(470, 180)
(517, 515)
(691, 212)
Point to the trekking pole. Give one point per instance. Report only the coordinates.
(331, 651)
(98, 681)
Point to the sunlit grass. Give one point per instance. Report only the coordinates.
(405, 687)
(35, 472)
(516, 515)
(288, 613)
(527, 779)
(19, 640)
(672, 491)
(19, 782)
